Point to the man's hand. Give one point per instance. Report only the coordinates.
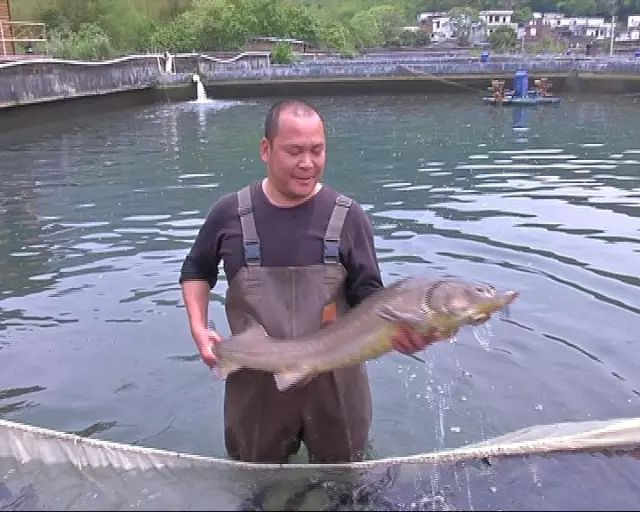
(407, 340)
(205, 339)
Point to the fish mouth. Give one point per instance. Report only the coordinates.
(482, 312)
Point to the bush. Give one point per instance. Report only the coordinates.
(546, 45)
(88, 43)
(503, 39)
(282, 54)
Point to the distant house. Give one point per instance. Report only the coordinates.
(436, 25)
(633, 29)
(6, 47)
(497, 18)
(267, 43)
(589, 27)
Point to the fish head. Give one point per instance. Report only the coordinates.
(467, 302)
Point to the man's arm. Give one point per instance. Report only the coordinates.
(358, 256)
(196, 299)
(198, 276)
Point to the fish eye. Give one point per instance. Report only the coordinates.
(487, 291)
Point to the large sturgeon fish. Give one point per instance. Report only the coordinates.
(442, 306)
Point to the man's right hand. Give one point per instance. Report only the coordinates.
(205, 339)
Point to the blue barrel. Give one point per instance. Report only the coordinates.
(521, 84)
(484, 56)
(637, 52)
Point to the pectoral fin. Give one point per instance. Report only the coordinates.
(393, 316)
(254, 328)
(223, 369)
(288, 379)
(413, 356)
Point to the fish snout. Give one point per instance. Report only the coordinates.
(478, 318)
(510, 296)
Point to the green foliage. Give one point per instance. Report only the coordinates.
(365, 30)
(579, 7)
(174, 36)
(546, 45)
(282, 53)
(89, 42)
(503, 39)
(337, 37)
(410, 38)
(346, 26)
(378, 26)
(465, 21)
(389, 21)
(522, 14)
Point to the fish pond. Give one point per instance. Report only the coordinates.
(97, 213)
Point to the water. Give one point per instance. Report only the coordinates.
(201, 93)
(96, 215)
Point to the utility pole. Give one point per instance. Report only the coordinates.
(613, 26)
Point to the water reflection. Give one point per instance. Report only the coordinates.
(96, 218)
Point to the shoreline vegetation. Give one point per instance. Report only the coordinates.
(105, 29)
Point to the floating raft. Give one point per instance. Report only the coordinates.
(524, 100)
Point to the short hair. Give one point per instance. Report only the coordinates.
(299, 107)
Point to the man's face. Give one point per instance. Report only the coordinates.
(295, 160)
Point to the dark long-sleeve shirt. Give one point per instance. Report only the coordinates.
(288, 237)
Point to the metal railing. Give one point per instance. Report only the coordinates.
(12, 32)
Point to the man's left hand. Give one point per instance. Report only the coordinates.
(407, 340)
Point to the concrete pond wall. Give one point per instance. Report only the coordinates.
(37, 81)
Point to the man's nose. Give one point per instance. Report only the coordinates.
(306, 161)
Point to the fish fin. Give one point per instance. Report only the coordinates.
(391, 315)
(413, 356)
(287, 379)
(223, 369)
(255, 328)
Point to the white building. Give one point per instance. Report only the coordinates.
(437, 24)
(552, 19)
(633, 21)
(496, 18)
(633, 29)
(590, 27)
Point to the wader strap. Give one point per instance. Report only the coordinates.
(250, 238)
(334, 229)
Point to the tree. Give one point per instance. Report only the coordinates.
(522, 14)
(337, 37)
(503, 38)
(365, 30)
(579, 7)
(465, 22)
(390, 21)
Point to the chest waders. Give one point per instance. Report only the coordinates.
(332, 413)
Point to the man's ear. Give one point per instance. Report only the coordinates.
(265, 150)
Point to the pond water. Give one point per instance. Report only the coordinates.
(97, 214)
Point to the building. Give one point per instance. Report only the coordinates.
(436, 25)
(497, 18)
(6, 47)
(268, 43)
(632, 32)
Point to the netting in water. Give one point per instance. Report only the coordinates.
(582, 465)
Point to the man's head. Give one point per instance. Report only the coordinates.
(293, 148)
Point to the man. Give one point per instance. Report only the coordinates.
(297, 254)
